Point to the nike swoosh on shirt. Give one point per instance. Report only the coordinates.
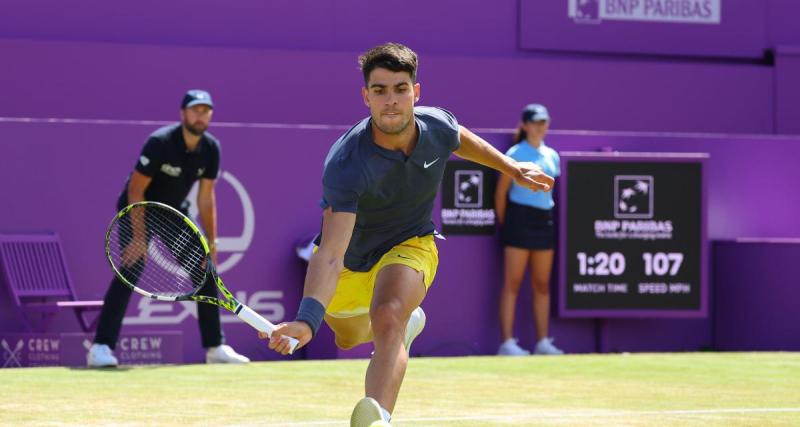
(427, 165)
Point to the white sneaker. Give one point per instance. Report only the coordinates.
(415, 325)
(100, 356)
(510, 348)
(366, 413)
(224, 354)
(545, 346)
(305, 249)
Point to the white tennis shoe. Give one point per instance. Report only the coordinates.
(510, 347)
(545, 347)
(100, 356)
(366, 412)
(415, 325)
(225, 354)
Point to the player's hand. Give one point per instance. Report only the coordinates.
(134, 252)
(298, 330)
(531, 176)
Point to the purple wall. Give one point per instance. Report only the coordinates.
(73, 194)
(782, 23)
(120, 71)
(106, 81)
(473, 27)
(461, 27)
(480, 56)
(756, 300)
(787, 89)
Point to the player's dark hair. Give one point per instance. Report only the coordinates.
(391, 56)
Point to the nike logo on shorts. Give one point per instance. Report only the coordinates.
(404, 257)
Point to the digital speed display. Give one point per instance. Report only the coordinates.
(632, 235)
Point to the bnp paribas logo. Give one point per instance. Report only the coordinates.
(676, 11)
(633, 196)
(469, 189)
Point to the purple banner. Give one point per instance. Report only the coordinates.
(275, 170)
(69, 349)
(652, 27)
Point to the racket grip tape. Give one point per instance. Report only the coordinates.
(261, 324)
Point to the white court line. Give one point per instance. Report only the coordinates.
(558, 414)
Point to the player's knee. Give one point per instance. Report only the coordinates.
(388, 317)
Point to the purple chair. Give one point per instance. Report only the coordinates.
(35, 271)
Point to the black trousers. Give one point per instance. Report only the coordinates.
(116, 302)
(118, 296)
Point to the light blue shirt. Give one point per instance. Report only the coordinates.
(548, 160)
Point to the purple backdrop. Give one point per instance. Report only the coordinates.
(109, 75)
(84, 164)
(473, 27)
(756, 300)
(145, 82)
(787, 89)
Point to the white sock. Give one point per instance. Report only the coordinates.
(385, 415)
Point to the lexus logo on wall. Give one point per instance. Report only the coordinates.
(633, 196)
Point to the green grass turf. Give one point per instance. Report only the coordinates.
(683, 389)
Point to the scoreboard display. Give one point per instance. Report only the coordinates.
(632, 235)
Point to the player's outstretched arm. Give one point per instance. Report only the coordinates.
(526, 174)
(320, 284)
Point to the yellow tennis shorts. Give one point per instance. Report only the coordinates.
(354, 289)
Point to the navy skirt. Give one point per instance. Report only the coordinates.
(527, 227)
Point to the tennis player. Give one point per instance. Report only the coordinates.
(377, 257)
(172, 160)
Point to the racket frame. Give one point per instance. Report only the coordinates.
(230, 303)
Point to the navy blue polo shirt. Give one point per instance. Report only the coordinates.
(173, 168)
(391, 194)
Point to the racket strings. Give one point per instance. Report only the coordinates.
(174, 259)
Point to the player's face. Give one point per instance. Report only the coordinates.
(536, 130)
(196, 118)
(390, 97)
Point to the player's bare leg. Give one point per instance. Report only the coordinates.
(350, 331)
(399, 289)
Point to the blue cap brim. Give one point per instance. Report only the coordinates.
(199, 102)
(539, 119)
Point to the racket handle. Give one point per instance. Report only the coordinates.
(261, 324)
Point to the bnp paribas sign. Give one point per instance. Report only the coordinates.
(674, 11)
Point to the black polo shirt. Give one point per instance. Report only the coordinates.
(391, 194)
(172, 167)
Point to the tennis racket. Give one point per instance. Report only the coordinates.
(160, 253)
